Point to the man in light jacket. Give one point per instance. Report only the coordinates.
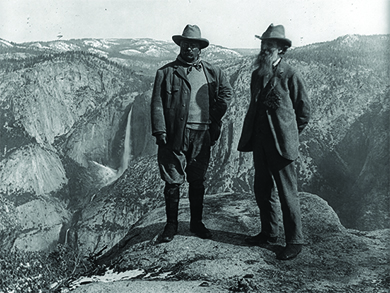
(190, 97)
(278, 112)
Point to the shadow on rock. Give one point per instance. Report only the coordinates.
(151, 235)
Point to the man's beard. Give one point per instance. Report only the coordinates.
(263, 63)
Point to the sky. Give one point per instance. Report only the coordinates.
(228, 23)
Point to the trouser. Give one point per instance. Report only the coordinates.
(270, 167)
(189, 164)
(172, 195)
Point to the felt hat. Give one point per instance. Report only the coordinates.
(191, 33)
(275, 32)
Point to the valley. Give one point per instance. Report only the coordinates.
(76, 145)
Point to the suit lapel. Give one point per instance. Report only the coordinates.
(265, 80)
(181, 72)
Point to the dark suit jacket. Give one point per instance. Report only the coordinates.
(288, 120)
(171, 97)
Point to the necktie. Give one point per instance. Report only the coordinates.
(196, 65)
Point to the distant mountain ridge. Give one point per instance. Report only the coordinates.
(131, 52)
(147, 54)
(146, 47)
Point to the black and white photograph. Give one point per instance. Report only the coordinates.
(193, 146)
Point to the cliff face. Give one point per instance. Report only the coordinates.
(60, 115)
(353, 175)
(76, 145)
(347, 142)
(110, 214)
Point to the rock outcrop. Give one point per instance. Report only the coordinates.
(334, 259)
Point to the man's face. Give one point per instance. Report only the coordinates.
(189, 50)
(269, 49)
(267, 56)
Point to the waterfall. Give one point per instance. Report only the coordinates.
(66, 236)
(103, 175)
(106, 175)
(127, 146)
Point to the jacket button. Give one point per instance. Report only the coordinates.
(181, 118)
(183, 105)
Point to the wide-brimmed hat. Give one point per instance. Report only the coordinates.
(275, 32)
(191, 33)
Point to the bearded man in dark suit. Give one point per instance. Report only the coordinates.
(278, 112)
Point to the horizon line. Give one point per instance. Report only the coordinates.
(168, 41)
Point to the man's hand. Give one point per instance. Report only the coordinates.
(161, 139)
(215, 132)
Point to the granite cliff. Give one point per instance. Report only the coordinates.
(64, 126)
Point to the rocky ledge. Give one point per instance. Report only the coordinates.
(334, 259)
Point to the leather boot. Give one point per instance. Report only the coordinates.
(290, 251)
(172, 194)
(196, 195)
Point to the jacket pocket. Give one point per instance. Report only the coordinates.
(171, 97)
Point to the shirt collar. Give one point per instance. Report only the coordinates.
(276, 62)
(189, 65)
